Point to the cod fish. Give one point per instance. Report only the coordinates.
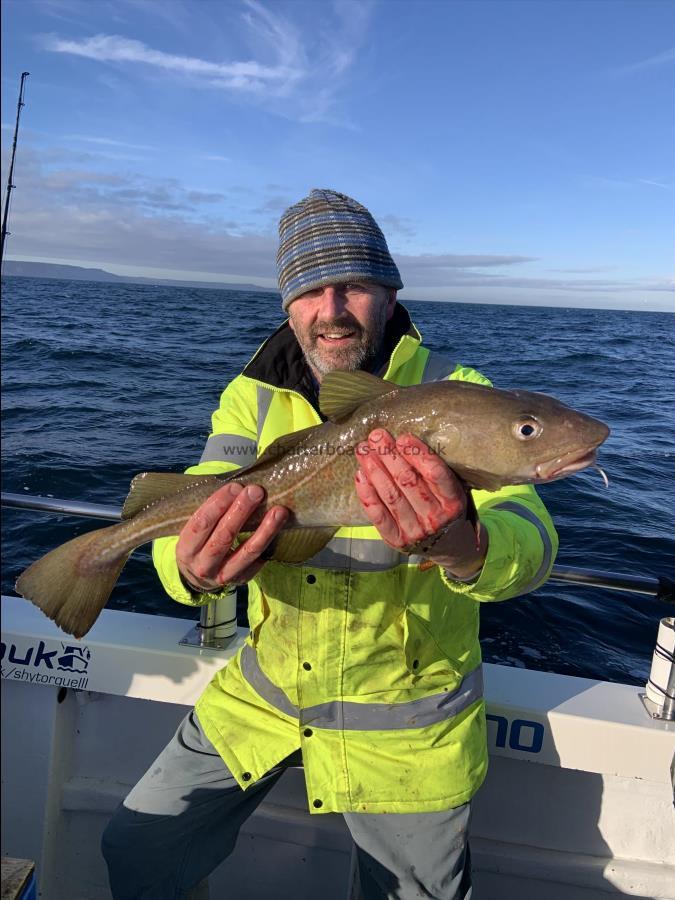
(489, 437)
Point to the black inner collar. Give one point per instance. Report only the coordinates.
(281, 363)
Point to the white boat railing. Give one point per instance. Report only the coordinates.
(66, 507)
(654, 586)
(218, 619)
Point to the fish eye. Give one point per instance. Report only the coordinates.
(527, 429)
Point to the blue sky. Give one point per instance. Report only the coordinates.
(513, 152)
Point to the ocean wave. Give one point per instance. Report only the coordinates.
(104, 381)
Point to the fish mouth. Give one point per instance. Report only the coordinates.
(567, 464)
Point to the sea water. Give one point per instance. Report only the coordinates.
(102, 381)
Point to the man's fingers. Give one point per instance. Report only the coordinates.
(199, 526)
(413, 485)
(206, 541)
(246, 561)
(407, 490)
(375, 509)
(224, 534)
(373, 459)
(440, 480)
(376, 465)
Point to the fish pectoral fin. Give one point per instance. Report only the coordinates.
(343, 392)
(149, 487)
(296, 545)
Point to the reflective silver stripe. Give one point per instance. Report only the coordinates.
(264, 402)
(359, 555)
(349, 716)
(519, 510)
(250, 669)
(437, 367)
(229, 448)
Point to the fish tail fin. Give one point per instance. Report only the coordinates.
(72, 583)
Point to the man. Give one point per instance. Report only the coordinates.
(361, 659)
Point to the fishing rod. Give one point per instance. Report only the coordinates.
(662, 588)
(10, 185)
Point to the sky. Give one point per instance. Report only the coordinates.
(513, 151)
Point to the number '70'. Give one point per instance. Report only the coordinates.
(523, 734)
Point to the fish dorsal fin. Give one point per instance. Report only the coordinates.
(343, 392)
(149, 487)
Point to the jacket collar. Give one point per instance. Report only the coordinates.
(280, 363)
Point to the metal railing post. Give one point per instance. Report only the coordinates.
(659, 697)
(217, 623)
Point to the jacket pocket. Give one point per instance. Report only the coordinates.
(426, 661)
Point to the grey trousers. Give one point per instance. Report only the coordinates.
(183, 817)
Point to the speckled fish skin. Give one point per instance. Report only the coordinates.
(470, 426)
(489, 437)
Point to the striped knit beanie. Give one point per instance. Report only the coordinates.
(328, 238)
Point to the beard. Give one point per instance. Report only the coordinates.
(362, 351)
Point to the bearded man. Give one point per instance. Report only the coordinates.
(361, 663)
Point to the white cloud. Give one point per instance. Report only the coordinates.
(440, 262)
(107, 142)
(71, 12)
(77, 213)
(401, 225)
(654, 183)
(113, 48)
(294, 70)
(603, 181)
(659, 59)
(588, 270)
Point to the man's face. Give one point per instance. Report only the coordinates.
(341, 326)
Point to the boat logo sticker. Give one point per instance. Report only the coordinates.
(41, 663)
(74, 659)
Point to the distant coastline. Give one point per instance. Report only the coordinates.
(26, 269)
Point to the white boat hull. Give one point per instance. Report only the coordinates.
(577, 805)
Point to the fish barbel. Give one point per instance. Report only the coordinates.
(488, 437)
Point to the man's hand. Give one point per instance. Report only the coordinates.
(415, 501)
(204, 550)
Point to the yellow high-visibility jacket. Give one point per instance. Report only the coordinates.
(358, 657)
